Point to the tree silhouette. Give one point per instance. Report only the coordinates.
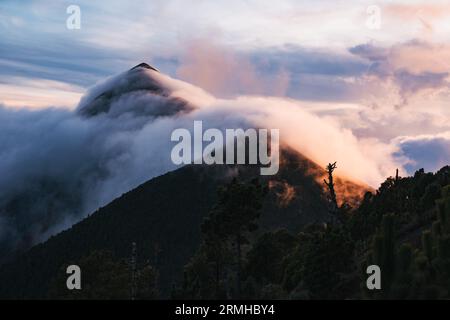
(238, 206)
(331, 191)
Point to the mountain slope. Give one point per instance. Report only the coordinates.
(56, 164)
(163, 217)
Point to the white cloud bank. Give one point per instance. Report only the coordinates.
(75, 161)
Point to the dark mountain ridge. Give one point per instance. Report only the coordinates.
(163, 216)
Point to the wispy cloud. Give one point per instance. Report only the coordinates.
(39, 93)
(322, 53)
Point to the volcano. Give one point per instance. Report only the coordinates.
(166, 212)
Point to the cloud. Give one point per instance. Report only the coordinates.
(410, 69)
(39, 93)
(290, 71)
(411, 84)
(255, 47)
(414, 11)
(59, 165)
(430, 152)
(263, 36)
(226, 73)
(371, 83)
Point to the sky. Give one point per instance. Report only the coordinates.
(378, 68)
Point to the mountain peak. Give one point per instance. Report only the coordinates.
(151, 96)
(144, 65)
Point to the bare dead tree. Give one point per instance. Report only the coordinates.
(330, 184)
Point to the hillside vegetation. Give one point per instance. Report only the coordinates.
(207, 232)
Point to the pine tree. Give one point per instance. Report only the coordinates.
(215, 249)
(224, 230)
(235, 215)
(427, 244)
(383, 252)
